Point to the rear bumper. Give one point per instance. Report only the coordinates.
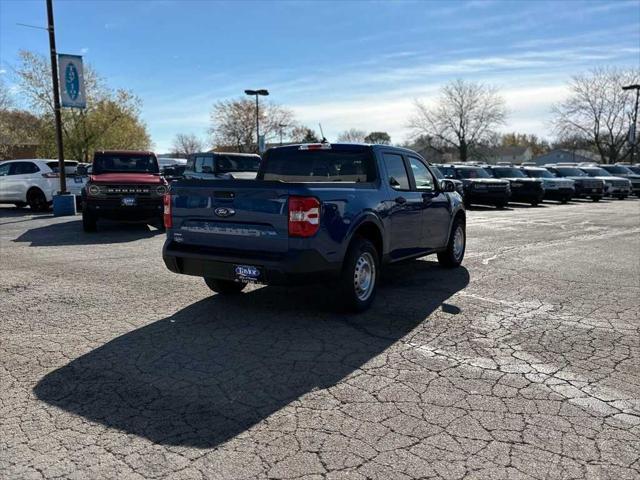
(294, 267)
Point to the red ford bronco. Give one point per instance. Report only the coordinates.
(123, 186)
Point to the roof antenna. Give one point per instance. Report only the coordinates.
(324, 140)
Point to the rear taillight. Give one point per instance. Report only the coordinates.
(304, 216)
(166, 214)
(51, 175)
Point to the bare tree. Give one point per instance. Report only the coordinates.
(110, 120)
(599, 111)
(465, 115)
(184, 144)
(233, 123)
(6, 102)
(353, 135)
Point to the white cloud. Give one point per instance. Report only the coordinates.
(84, 50)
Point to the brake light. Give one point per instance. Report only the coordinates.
(166, 214)
(315, 146)
(304, 216)
(51, 175)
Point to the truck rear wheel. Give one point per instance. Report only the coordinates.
(595, 198)
(224, 287)
(453, 255)
(360, 272)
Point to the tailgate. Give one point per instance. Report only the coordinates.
(242, 215)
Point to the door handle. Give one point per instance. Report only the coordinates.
(401, 200)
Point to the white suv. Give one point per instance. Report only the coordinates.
(33, 182)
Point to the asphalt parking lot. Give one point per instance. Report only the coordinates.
(523, 364)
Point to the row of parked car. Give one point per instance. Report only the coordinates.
(303, 213)
(501, 184)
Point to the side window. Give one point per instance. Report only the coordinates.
(204, 164)
(30, 167)
(398, 178)
(4, 169)
(421, 174)
(24, 168)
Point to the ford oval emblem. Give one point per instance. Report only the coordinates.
(224, 212)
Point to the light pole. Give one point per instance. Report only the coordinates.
(56, 97)
(634, 125)
(281, 126)
(257, 93)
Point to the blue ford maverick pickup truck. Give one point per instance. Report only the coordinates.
(315, 212)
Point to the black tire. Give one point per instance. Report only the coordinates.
(89, 221)
(36, 200)
(453, 255)
(160, 224)
(358, 282)
(595, 199)
(224, 287)
(535, 203)
(501, 205)
(20, 204)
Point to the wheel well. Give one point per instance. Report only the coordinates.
(34, 189)
(461, 215)
(372, 233)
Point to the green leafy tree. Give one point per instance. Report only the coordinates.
(110, 121)
(302, 134)
(538, 146)
(382, 138)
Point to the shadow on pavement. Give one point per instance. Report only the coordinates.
(71, 233)
(219, 366)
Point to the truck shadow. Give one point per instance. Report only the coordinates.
(219, 366)
(71, 233)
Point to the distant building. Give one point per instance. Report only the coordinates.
(558, 156)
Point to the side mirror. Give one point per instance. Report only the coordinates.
(447, 186)
(207, 169)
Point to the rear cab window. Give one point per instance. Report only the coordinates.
(346, 164)
(124, 163)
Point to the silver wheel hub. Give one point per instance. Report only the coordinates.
(364, 277)
(458, 243)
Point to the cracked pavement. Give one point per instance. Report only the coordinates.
(523, 364)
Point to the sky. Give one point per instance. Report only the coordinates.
(344, 64)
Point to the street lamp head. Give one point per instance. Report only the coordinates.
(257, 92)
(631, 87)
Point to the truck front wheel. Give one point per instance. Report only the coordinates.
(359, 278)
(224, 287)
